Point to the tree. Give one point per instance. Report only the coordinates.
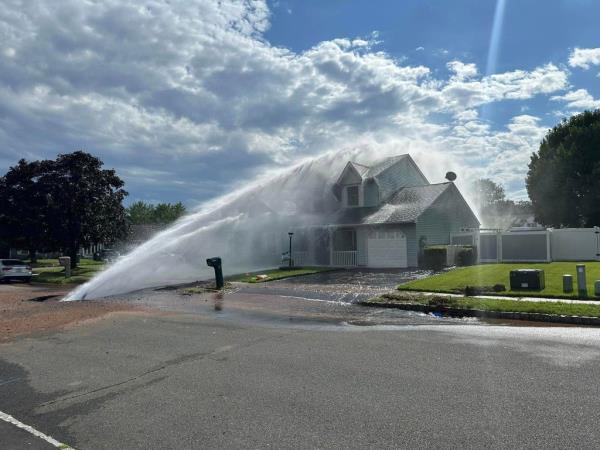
(141, 213)
(495, 210)
(23, 211)
(488, 194)
(84, 202)
(563, 181)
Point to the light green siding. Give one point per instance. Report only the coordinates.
(448, 214)
(371, 193)
(402, 174)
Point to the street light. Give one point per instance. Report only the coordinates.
(290, 234)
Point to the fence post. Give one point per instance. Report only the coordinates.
(499, 246)
(548, 255)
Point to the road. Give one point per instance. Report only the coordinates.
(215, 380)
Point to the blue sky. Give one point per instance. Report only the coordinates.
(431, 33)
(189, 99)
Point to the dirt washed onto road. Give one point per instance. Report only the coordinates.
(29, 310)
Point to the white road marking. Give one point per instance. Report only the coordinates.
(10, 419)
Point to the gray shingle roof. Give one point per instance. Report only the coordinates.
(405, 206)
(382, 165)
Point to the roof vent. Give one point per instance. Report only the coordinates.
(450, 176)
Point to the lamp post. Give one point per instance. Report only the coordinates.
(290, 234)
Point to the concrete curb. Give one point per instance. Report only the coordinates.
(458, 312)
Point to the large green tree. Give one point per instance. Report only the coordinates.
(23, 208)
(142, 213)
(84, 202)
(563, 180)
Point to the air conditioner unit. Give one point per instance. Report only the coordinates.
(527, 280)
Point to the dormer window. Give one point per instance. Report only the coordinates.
(352, 195)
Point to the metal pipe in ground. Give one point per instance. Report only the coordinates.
(581, 282)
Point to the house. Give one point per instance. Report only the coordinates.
(386, 214)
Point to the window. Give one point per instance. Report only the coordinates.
(352, 195)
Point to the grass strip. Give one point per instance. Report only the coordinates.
(485, 304)
(455, 281)
(55, 274)
(277, 274)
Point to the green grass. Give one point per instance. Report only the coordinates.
(489, 274)
(487, 304)
(50, 272)
(278, 274)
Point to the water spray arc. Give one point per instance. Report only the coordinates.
(247, 229)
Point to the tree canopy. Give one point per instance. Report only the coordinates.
(142, 213)
(563, 181)
(65, 204)
(495, 210)
(23, 212)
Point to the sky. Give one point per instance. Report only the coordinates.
(191, 99)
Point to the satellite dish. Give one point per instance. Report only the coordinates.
(450, 176)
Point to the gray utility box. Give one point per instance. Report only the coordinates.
(527, 279)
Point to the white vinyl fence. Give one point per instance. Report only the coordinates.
(565, 244)
(575, 244)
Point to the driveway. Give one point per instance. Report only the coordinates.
(350, 285)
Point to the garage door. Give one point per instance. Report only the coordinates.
(387, 249)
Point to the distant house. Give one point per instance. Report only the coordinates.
(387, 213)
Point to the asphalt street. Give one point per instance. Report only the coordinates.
(181, 380)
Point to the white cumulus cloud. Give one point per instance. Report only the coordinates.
(584, 57)
(578, 100)
(191, 91)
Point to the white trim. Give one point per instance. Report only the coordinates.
(50, 440)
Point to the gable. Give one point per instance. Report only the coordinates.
(349, 176)
(402, 173)
(451, 203)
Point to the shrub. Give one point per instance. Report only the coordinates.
(465, 256)
(434, 258)
(499, 288)
(473, 291)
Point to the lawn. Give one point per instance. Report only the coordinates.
(489, 274)
(488, 304)
(49, 271)
(277, 274)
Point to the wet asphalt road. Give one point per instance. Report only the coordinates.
(255, 370)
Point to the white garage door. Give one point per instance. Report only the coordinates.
(387, 249)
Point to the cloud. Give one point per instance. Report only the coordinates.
(461, 70)
(578, 100)
(584, 57)
(192, 92)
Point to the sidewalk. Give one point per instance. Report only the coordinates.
(520, 299)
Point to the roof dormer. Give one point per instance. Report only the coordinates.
(352, 174)
(350, 185)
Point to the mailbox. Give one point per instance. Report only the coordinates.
(215, 263)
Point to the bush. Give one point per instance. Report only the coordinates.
(466, 256)
(434, 258)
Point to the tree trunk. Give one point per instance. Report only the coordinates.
(32, 255)
(73, 253)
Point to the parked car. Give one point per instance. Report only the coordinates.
(106, 254)
(15, 269)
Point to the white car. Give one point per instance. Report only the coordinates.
(15, 269)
